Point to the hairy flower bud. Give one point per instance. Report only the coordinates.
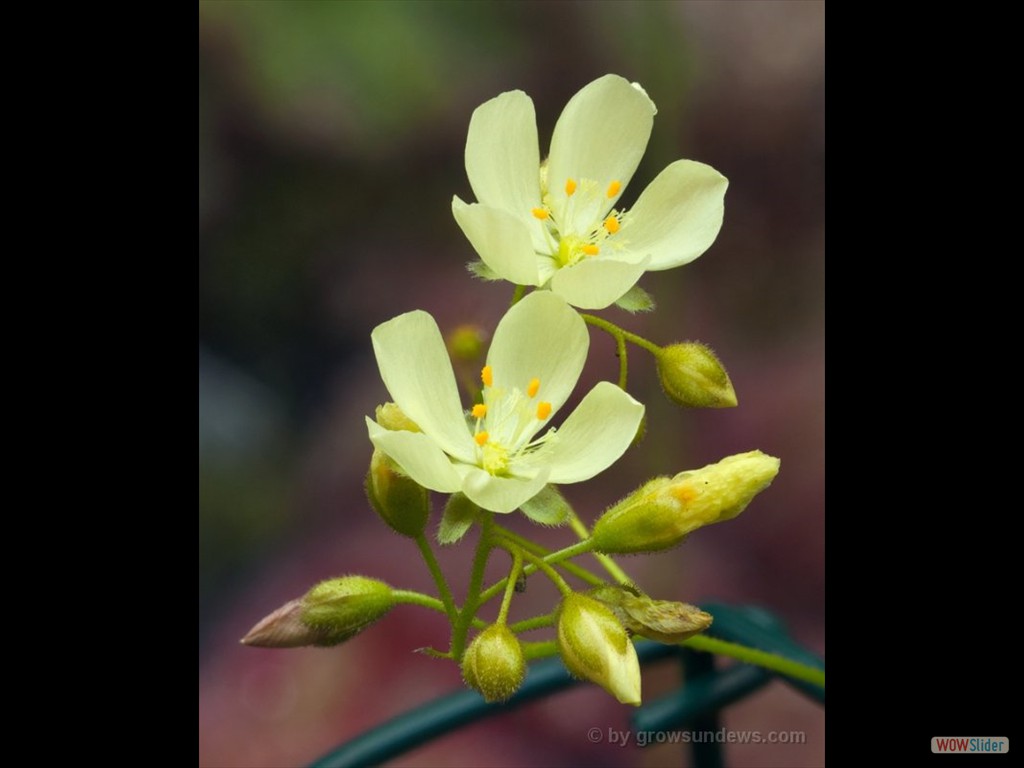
(594, 646)
(663, 511)
(662, 620)
(692, 375)
(401, 502)
(330, 613)
(494, 663)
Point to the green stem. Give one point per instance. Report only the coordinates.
(578, 571)
(407, 597)
(439, 579)
(620, 350)
(606, 562)
(510, 588)
(550, 572)
(540, 650)
(473, 596)
(555, 557)
(517, 294)
(764, 659)
(535, 622)
(621, 333)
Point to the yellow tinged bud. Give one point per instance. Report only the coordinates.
(494, 663)
(401, 502)
(594, 646)
(692, 375)
(665, 510)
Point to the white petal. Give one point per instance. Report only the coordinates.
(677, 217)
(418, 456)
(596, 282)
(501, 240)
(502, 155)
(601, 136)
(416, 370)
(540, 337)
(595, 435)
(500, 494)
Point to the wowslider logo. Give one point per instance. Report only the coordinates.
(975, 744)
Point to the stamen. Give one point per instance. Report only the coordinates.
(612, 225)
(543, 410)
(540, 213)
(570, 187)
(591, 250)
(531, 390)
(487, 376)
(613, 188)
(479, 411)
(481, 438)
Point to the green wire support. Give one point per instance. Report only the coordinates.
(705, 693)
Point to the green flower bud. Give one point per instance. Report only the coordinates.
(663, 511)
(466, 342)
(390, 416)
(594, 646)
(494, 663)
(401, 502)
(662, 620)
(339, 609)
(692, 375)
(330, 613)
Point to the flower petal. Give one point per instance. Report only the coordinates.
(541, 337)
(415, 367)
(595, 435)
(418, 456)
(597, 282)
(600, 136)
(502, 154)
(501, 240)
(500, 494)
(677, 217)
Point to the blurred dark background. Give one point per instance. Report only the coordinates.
(330, 144)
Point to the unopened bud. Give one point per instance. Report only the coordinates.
(466, 342)
(494, 663)
(281, 629)
(390, 416)
(663, 511)
(692, 375)
(662, 620)
(401, 502)
(594, 646)
(330, 613)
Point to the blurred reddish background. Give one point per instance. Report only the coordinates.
(330, 144)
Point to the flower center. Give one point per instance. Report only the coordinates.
(577, 226)
(506, 422)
